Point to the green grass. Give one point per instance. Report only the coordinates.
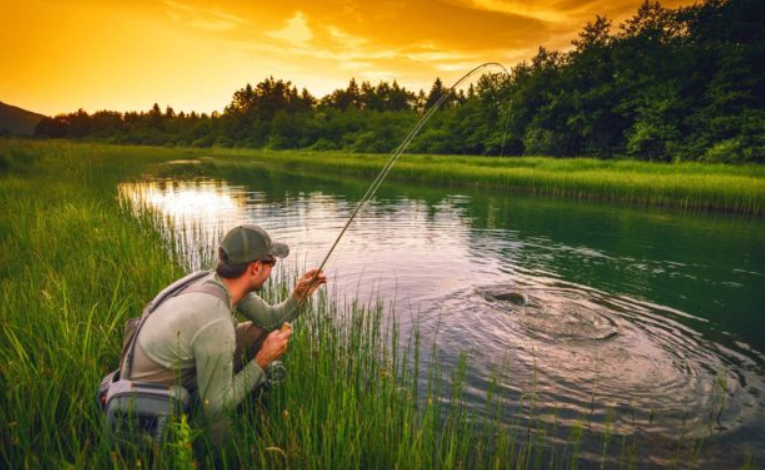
(75, 265)
(690, 186)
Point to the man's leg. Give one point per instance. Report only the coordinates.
(249, 340)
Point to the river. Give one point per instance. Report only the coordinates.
(643, 320)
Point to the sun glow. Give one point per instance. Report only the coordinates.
(192, 55)
(185, 200)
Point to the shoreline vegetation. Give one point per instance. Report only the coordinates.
(687, 186)
(75, 265)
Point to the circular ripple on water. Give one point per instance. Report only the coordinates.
(586, 345)
(555, 316)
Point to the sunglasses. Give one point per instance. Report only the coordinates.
(268, 261)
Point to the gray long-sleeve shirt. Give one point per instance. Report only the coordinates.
(194, 335)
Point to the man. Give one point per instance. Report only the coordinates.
(195, 338)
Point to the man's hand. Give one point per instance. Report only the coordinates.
(305, 287)
(274, 346)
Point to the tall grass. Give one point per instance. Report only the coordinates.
(75, 265)
(691, 186)
(72, 269)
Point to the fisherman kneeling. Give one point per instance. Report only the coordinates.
(193, 338)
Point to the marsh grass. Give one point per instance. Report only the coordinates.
(76, 265)
(689, 186)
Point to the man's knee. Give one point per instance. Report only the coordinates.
(249, 339)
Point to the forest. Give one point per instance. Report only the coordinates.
(683, 84)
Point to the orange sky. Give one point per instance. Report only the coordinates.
(60, 55)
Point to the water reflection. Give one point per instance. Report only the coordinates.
(182, 199)
(192, 211)
(622, 309)
(191, 204)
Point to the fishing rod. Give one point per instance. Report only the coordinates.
(396, 154)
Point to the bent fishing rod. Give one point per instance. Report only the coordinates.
(396, 154)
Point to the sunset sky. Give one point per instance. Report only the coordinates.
(58, 56)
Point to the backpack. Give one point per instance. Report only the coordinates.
(137, 413)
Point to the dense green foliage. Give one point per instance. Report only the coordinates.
(669, 84)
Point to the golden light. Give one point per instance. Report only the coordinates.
(192, 55)
(184, 200)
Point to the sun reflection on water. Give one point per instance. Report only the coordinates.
(186, 199)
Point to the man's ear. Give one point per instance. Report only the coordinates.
(254, 268)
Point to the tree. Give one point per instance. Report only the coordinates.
(666, 84)
(436, 92)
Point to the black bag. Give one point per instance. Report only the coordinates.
(137, 412)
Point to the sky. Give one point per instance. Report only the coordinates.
(58, 56)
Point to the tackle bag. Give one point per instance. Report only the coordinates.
(137, 413)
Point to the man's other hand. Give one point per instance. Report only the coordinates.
(273, 347)
(305, 287)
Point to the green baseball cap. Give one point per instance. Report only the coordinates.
(248, 243)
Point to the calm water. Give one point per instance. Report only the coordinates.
(654, 314)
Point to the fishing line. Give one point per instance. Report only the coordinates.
(399, 151)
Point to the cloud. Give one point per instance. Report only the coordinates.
(356, 65)
(556, 13)
(525, 9)
(345, 39)
(201, 18)
(456, 66)
(350, 54)
(296, 31)
(319, 44)
(435, 56)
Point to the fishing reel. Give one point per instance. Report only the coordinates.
(276, 374)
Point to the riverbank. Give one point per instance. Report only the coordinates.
(74, 266)
(688, 186)
(738, 189)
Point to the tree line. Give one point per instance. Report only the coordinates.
(664, 85)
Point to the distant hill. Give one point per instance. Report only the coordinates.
(17, 121)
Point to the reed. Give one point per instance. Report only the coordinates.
(75, 265)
